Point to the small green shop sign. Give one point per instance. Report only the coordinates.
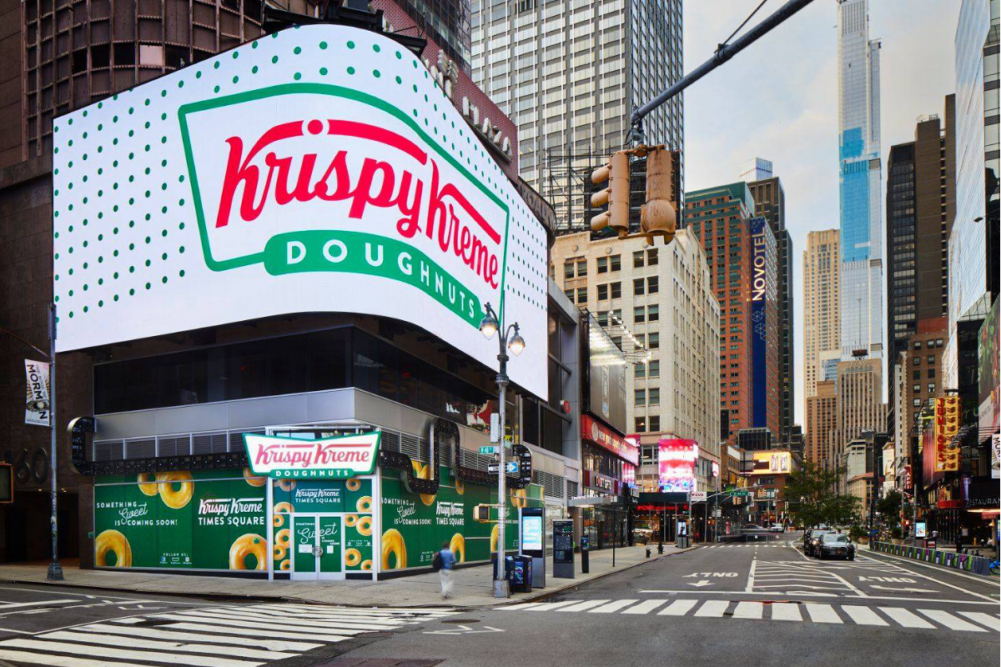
(339, 457)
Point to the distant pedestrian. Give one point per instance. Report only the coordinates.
(959, 542)
(444, 562)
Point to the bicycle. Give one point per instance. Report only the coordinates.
(995, 567)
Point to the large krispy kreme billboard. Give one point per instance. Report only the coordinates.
(314, 170)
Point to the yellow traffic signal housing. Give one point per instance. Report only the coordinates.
(659, 215)
(616, 195)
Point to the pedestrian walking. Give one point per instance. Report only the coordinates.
(444, 562)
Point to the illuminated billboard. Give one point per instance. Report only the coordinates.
(319, 169)
(676, 463)
(772, 462)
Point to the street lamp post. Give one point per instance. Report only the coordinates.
(509, 339)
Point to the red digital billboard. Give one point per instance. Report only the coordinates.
(676, 460)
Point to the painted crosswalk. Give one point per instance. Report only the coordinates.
(811, 612)
(747, 545)
(225, 636)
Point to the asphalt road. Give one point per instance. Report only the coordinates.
(764, 604)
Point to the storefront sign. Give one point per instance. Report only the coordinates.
(593, 431)
(339, 457)
(676, 463)
(304, 172)
(772, 462)
(761, 294)
(36, 402)
(946, 426)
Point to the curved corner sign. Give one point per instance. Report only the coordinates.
(339, 457)
(318, 169)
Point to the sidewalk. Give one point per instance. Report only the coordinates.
(472, 585)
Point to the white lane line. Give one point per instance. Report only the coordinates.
(174, 635)
(339, 629)
(249, 632)
(32, 658)
(906, 618)
(550, 606)
(143, 656)
(822, 613)
(950, 621)
(308, 610)
(613, 607)
(712, 609)
(19, 605)
(786, 612)
(749, 610)
(984, 619)
(583, 606)
(678, 608)
(644, 607)
(146, 644)
(930, 578)
(863, 615)
(750, 576)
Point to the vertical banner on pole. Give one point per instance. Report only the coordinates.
(36, 404)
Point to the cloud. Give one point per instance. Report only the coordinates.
(778, 100)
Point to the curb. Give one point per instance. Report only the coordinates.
(549, 594)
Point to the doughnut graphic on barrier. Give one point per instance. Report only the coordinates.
(248, 545)
(176, 498)
(112, 541)
(393, 547)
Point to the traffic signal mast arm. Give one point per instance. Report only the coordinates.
(723, 53)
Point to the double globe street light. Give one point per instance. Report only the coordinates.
(511, 340)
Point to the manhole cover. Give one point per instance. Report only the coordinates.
(461, 621)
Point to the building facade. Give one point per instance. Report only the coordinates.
(821, 309)
(973, 244)
(860, 183)
(741, 251)
(822, 422)
(657, 304)
(570, 75)
(920, 207)
(859, 388)
(769, 202)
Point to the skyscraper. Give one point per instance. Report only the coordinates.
(570, 75)
(770, 203)
(821, 310)
(860, 183)
(741, 252)
(920, 207)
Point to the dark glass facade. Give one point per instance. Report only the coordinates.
(317, 361)
(902, 258)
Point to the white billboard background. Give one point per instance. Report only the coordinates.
(141, 248)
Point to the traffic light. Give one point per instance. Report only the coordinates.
(616, 195)
(659, 215)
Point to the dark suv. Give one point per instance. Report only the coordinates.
(811, 540)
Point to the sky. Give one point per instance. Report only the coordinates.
(778, 99)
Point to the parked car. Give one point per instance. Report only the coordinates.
(777, 528)
(835, 545)
(811, 540)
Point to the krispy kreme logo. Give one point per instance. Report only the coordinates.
(332, 458)
(320, 182)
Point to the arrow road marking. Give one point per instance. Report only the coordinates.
(700, 584)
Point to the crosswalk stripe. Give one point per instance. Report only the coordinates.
(863, 615)
(678, 608)
(906, 618)
(154, 633)
(347, 629)
(587, 604)
(44, 603)
(712, 609)
(242, 617)
(274, 615)
(950, 621)
(146, 643)
(749, 610)
(144, 656)
(984, 619)
(519, 607)
(612, 607)
(33, 658)
(786, 612)
(305, 610)
(644, 607)
(550, 606)
(254, 632)
(822, 613)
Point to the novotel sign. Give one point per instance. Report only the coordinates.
(319, 169)
(339, 457)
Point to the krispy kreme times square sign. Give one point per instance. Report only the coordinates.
(319, 169)
(339, 457)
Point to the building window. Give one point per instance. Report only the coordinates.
(640, 424)
(639, 287)
(917, 361)
(581, 268)
(602, 265)
(639, 314)
(581, 295)
(654, 423)
(917, 373)
(568, 269)
(916, 389)
(639, 371)
(654, 341)
(639, 400)
(638, 259)
(651, 257)
(654, 397)
(615, 263)
(931, 388)
(917, 402)
(616, 290)
(655, 368)
(931, 374)
(653, 313)
(602, 290)
(931, 359)
(653, 284)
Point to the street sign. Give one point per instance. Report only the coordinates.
(489, 449)
(511, 467)
(740, 493)
(495, 427)
(699, 496)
